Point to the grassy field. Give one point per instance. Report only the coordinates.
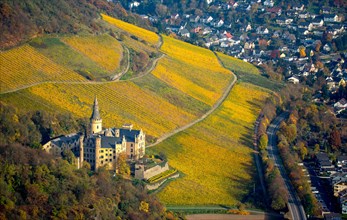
(246, 72)
(104, 49)
(24, 66)
(62, 54)
(215, 154)
(141, 33)
(192, 70)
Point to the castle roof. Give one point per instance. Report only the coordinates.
(109, 137)
(95, 114)
(66, 139)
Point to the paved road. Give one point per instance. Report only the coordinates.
(295, 207)
(258, 161)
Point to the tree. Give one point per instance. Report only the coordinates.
(122, 166)
(144, 206)
(302, 51)
(263, 141)
(335, 139)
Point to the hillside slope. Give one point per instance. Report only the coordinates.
(186, 81)
(149, 102)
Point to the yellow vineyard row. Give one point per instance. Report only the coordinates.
(193, 70)
(24, 66)
(141, 33)
(104, 50)
(215, 155)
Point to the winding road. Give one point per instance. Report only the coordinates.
(294, 205)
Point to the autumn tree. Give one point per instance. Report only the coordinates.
(335, 139)
(302, 51)
(122, 166)
(263, 141)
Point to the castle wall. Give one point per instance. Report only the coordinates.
(140, 173)
(155, 186)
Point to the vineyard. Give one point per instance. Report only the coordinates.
(248, 73)
(141, 33)
(215, 154)
(62, 54)
(24, 66)
(238, 65)
(192, 70)
(103, 49)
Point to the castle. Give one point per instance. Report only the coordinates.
(100, 147)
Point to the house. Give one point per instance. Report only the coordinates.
(327, 48)
(101, 147)
(281, 21)
(249, 27)
(298, 7)
(318, 22)
(197, 28)
(294, 80)
(288, 21)
(207, 30)
(340, 106)
(219, 23)
(304, 15)
(184, 33)
(194, 19)
(339, 186)
(269, 3)
(337, 177)
(324, 164)
(341, 160)
(332, 18)
(275, 10)
(134, 4)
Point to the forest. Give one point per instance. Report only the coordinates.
(21, 20)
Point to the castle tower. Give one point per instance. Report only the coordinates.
(95, 119)
(81, 158)
(97, 152)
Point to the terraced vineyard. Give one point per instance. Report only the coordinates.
(215, 155)
(246, 72)
(103, 50)
(24, 66)
(141, 33)
(192, 70)
(63, 54)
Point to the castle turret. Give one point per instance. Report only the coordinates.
(95, 119)
(97, 152)
(81, 158)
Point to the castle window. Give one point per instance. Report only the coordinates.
(131, 145)
(102, 157)
(106, 159)
(106, 154)
(131, 150)
(102, 151)
(114, 151)
(97, 127)
(114, 157)
(102, 162)
(110, 160)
